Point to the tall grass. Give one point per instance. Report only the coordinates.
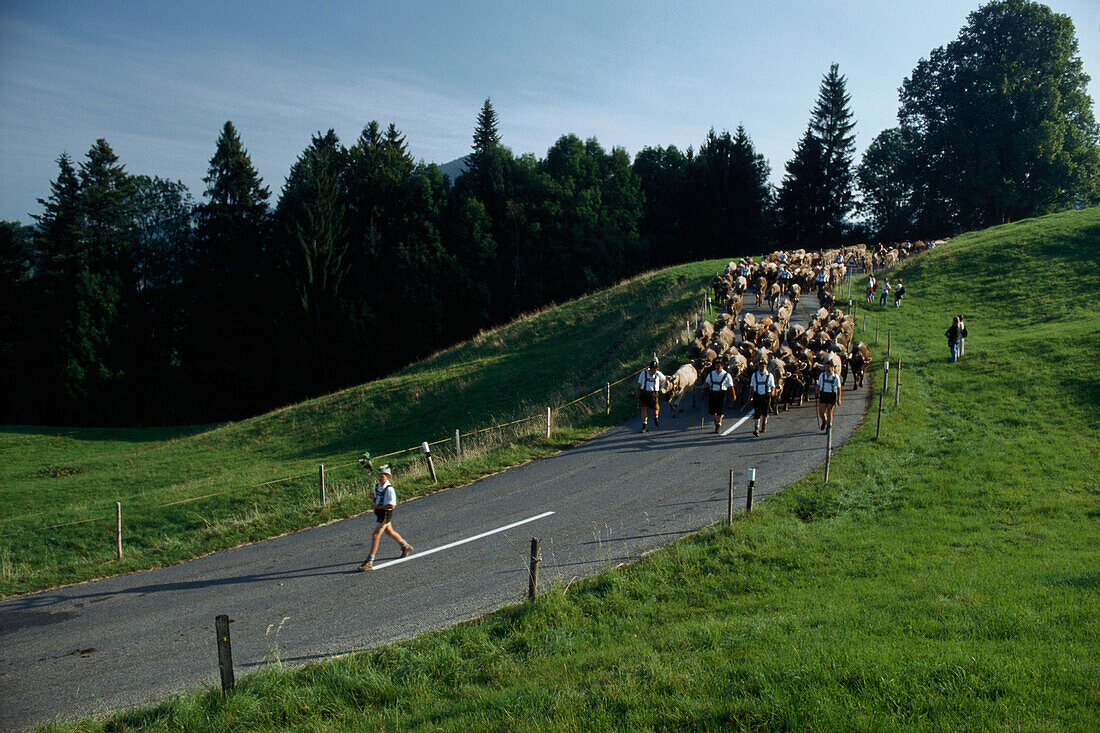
(946, 578)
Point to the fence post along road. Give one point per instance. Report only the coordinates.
(628, 503)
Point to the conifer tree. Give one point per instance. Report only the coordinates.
(832, 124)
(816, 195)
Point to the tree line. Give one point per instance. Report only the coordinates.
(129, 302)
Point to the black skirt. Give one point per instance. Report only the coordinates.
(715, 402)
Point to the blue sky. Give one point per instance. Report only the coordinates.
(159, 79)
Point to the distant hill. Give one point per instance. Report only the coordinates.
(455, 168)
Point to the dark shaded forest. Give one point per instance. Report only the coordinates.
(128, 302)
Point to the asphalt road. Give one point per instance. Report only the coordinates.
(120, 642)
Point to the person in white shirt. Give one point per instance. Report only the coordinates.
(898, 292)
(822, 279)
(384, 500)
(719, 384)
(649, 389)
(762, 386)
(885, 292)
(828, 395)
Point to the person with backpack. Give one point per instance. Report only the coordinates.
(719, 384)
(898, 292)
(384, 501)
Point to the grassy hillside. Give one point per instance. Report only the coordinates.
(217, 481)
(947, 577)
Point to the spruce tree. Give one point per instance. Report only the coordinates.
(230, 286)
(816, 195)
(832, 124)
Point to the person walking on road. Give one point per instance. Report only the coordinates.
(955, 333)
(762, 385)
(384, 500)
(719, 386)
(649, 389)
(828, 394)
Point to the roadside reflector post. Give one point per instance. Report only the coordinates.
(321, 484)
(828, 449)
(729, 506)
(876, 334)
(118, 528)
(885, 377)
(458, 445)
(547, 423)
(608, 398)
(431, 464)
(888, 335)
(748, 495)
(897, 384)
(225, 652)
(533, 570)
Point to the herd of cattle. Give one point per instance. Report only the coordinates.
(795, 355)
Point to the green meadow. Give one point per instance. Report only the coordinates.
(188, 491)
(947, 578)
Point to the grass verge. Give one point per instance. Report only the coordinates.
(947, 577)
(189, 491)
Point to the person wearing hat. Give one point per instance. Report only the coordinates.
(649, 389)
(719, 384)
(762, 385)
(384, 500)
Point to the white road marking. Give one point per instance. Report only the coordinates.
(461, 542)
(736, 425)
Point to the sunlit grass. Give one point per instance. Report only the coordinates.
(947, 578)
(52, 476)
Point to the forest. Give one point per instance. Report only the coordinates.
(128, 302)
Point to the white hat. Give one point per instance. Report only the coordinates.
(385, 469)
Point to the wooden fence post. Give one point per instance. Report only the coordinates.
(885, 377)
(897, 384)
(533, 570)
(225, 651)
(888, 335)
(729, 505)
(431, 464)
(609, 398)
(321, 483)
(118, 528)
